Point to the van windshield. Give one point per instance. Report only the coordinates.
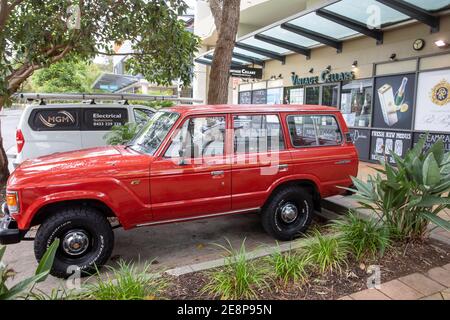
(153, 133)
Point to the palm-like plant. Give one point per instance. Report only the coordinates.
(122, 134)
(411, 194)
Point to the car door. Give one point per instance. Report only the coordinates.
(97, 121)
(192, 177)
(259, 159)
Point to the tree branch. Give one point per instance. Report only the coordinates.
(216, 10)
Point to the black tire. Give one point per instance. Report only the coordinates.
(82, 223)
(286, 198)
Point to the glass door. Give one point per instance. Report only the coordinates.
(312, 95)
(330, 95)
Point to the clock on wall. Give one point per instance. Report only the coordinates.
(419, 44)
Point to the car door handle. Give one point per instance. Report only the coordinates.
(343, 162)
(283, 166)
(217, 173)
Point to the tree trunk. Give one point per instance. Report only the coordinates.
(220, 68)
(4, 172)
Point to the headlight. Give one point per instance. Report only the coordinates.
(12, 200)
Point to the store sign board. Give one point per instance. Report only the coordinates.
(389, 142)
(394, 101)
(246, 72)
(432, 138)
(433, 101)
(361, 140)
(325, 77)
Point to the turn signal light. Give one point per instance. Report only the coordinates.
(13, 202)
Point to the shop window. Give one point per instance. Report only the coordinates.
(356, 103)
(274, 95)
(312, 95)
(314, 131)
(295, 96)
(330, 95)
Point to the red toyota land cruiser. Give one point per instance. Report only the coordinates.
(187, 163)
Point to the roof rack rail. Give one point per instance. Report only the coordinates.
(101, 96)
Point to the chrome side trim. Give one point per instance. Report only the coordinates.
(198, 217)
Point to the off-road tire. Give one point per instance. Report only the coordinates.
(271, 215)
(59, 224)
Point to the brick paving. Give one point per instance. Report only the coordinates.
(432, 285)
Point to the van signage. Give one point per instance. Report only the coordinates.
(61, 117)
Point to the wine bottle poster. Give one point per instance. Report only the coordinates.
(394, 101)
(433, 101)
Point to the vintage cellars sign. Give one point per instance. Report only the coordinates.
(246, 72)
(325, 77)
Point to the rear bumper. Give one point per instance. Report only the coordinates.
(9, 232)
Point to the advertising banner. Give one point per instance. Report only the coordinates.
(361, 139)
(389, 142)
(433, 101)
(432, 139)
(394, 101)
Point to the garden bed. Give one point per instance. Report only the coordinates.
(399, 261)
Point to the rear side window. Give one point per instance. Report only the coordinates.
(314, 130)
(103, 119)
(55, 119)
(257, 133)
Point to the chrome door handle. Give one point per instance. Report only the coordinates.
(217, 173)
(343, 162)
(283, 166)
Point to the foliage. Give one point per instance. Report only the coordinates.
(37, 33)
(365, 237)
(125, 283)
(154, 104)
(327, 253)
(66, 76)
(119, 135)
(40, 275)
(290, 266)
(55, 294)
(238, 279)
(409, 196)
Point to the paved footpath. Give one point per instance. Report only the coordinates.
(432, 285)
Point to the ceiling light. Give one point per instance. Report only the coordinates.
(441, 43)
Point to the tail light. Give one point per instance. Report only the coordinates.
(20, 140)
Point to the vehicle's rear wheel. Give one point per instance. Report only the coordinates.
(288, 213)
(86, 240)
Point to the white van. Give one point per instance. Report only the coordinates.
(46, 129)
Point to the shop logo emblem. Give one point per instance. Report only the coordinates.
(440, 93)
(61, 117)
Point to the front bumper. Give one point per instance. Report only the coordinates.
(9, 232)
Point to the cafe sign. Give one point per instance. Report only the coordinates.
(325, 77)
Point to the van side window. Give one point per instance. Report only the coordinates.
(314, 130)
(103, 119)
(199, 137)
(54, 119)
(257, 133)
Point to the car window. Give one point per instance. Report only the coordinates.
(314, 130)
(199, 137)
(257, 133)
(142, 116)
(55, 119)
(103, 119)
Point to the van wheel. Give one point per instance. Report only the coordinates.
(288, 213)
(86, 241)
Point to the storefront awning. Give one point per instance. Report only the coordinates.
(114, 82)
(330, 25)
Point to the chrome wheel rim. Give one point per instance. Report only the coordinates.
(75, 242)
(288, 212)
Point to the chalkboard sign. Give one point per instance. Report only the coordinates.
(245, 97)
(259, 97)
(361, 140)
(389, 142)
(432, 138)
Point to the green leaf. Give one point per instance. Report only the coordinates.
(437, 220)
(46, 262)
(431, 201)
(2, 252)
(21, 286)
(437, 149)
(430, 171)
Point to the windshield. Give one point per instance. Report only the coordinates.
(153, 133)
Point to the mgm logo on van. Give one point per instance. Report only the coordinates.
(59, 118)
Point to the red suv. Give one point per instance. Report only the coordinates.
(187, 163)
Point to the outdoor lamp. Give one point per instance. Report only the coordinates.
(393, 56)
(311, 70)
(328, 68)
(355, 64)
(441, 43)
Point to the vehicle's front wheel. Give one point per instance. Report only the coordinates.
(86, 240)
(288, 213)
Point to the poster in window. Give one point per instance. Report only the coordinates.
(361, 140)
(394, 101)
(385, 143)
(245, 97)
(259, 96)
(433, 101)
(432, 138)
